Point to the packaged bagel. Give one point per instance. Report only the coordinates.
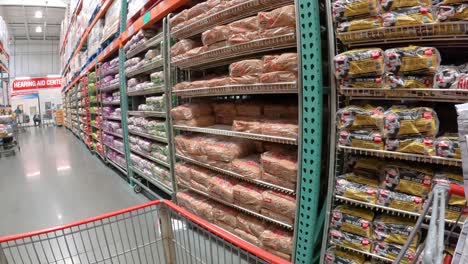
(448, 146)
(450, 77)
(400, 122)
(400, 201)
(370, 180)
(343, 10)
(364, 82)
(408, 16)
(358, 117)
(359, 24)
(359, 63)
(396, 81)
(393, 229)
(391, 251)
(352, 220)
(417, 145)
(451, 12)
(356, 191)
(350, 240)
(388, 5)
(336, 255)
(361, 139)
(412, 60)
(405, 178)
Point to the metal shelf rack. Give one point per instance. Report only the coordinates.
(156, 182)
(259, 88)
(418, 94)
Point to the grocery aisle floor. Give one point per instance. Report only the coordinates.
(54, 180)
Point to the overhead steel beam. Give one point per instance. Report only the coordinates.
(45, 23)
(26, 22)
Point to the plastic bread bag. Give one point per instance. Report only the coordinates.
(285, 127)
(157, 77)
(244, 37)
(151, 54)
(282, 164)
(221, 33)
(182, 46)
(280, 17)
(416, 145)
(356, 191)
(275, 32)
(400, 201)
(282, 62)
(450, 77)
(364, 82)
(184, 171)
(388, 5)
(396, 81)
(204, 209)
(276, 216)
(249, 23)
(359, 24)
(248, 196)
(452, 212)
(216, 82)
(361, 139)
(391, 251)
(201, 175)
(249, 109)
(200, 121)
(369, 180)
(248, 167)
(246, 236)
(393, 229)
(225, 215)
(412, 60)
(346, 10)
(448, 146)
(400, 121)
(359, 63)
(246, 67)
(370, 167)
(357, 117)
(451, 12)
(267, 177)
(191, 110)
(336, 255)
(228, 149)
(415, 15)
(222, 188)
(352, 220)
(278, 240)
(198, 9)
(409, 179)
(246, 79)
(279, 203)
(179, 18)
(224, 109)
(250, 224)
(350, 240)
(278, 77)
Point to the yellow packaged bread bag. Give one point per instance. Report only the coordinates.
(359, 63)
(407, 178)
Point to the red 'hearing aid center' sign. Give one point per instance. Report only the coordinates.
(37, 83)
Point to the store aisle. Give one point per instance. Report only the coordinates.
(55, 180)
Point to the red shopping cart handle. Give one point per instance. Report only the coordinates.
(457, 190)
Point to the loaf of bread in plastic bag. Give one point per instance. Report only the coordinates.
(190, 110)
(249, 23)
(412, 60)
(182, 46)
(246, 67)
(280, 17)
(280, 127)
(279, 203)
(220, 33)
(278, 217)
(346, 10)
(283, 62)
(222, 188)
(225, 215)
(201, 175)
(278, 240)
(246, 79)
(248, 196)
(228, 149)
(183, 170)
(199, 121)
(359, 63)
(246, 236)
(250, 224)
(267, 177)
(247, 124)
(278, 76)
(408, 16)
(281, 164)
(249, 166)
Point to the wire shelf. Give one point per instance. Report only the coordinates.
(115, 149)
(151, 90)
(361, 252)
(420, 94)
(156, 182)
(238, 176)
(112, 118)
(148, 156)
(403, 156)
(259, 88)
(110, 88)
(112, 133)
(154, 41)
(441, 33)
(240, 208)
(117, 166)
(225, 54)
(230, 14)
(225, 130)
(145, 68)
(147, 113)
(148, 136)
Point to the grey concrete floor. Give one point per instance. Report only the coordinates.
(56, 180)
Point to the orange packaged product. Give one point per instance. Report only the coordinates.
(279, 203)
(278, 76)
(182, 46)
(199, 84)
(183, 171)
(282, 164)
(267, 177)
(279, 31)
(200, 121)
(190, 110)
(250, 224)
(281, 127)
(248, 196)
(282, 62)
(246, 79)
(249, 109)
(246, 67)
(280, 17)
(247, 124)
(246, 236)
(278, 240)
(249, 166)
(279, 217)
(227, 150)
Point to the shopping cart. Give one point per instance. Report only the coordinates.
(154, 232)
(9, 135)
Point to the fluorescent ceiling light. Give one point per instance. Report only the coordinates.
(38, 29)
(63, 168)
(38, 14)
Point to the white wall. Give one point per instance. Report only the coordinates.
(45, 95)
(34, 58)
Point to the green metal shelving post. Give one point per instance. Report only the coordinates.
(309, 43)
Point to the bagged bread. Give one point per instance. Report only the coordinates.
(391, 251)
(370, 167)
(182, 86)
(354, 117)
(283, 62)
(352, 220)
(280, 127)
(280, 17)
(182, 46)
(417, 145)
(201, 175)
(452, 176)
(276, 216)
(179, 18)
(405, 178)
(246, 236)
(221, 188)
(350, 240)
(451, 12)
(275, 32)
(246, 79)
(216, 82)
(248, 196)
(393, 229)
(282, 164)
(199, 121)
(359, 24)
(228, 149)
(364, 82)
(356, 191)
(412, 60)
(186, 199)
(250, 224)
(225, 215)
(239, 38)
(267, 177)
(347, 10)
(415, 15)
(220, 33)
(394, 81)
(186, 145)
(183, 170)
(359, 63)
(448, 146)
(388, 5)
(198, 9)
(361, 139)
(400, 201)
(248, 167)
(369, 180)
(278, 76)
(197, 186)
(337, 255)
(246, 67)
(400, 121)
(278, 240)
(191, 110)
(247, 124)
(279, 203)
(249, 23)
(204, 209)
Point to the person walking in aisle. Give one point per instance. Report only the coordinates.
(37, 119)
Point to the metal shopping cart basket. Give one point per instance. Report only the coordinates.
(154, 232)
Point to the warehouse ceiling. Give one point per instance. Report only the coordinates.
(25, 23)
